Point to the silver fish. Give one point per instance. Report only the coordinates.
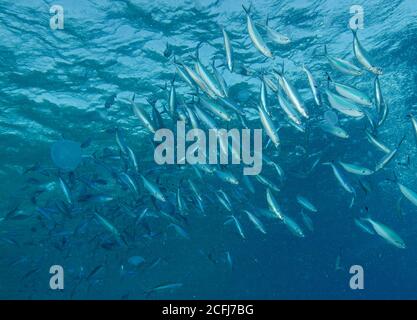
(344, 105)
(274, 35)
(153, 189)
(216, 109)
(352, 93)
(293, 226)
(256, 38)
(205, 118)
(65, 189)
(363, 226)
(143, 117)
(292, 94)
(172, 102)
(313, 85)
(379, 100)
(356, 169)
(387, 233)
(342, 65)
(269, 127)
(273, 204)
(227, 176)
(362, 55)
(235, 221)
(208, 79)
(376, 143)
(224, 200)
(267, 183)
(289, 109)
(408, 193)
(258, 224)
(228, 49)
(305, 203)
(388, 157)
(342, 180)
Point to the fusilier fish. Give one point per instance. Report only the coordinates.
(356, 169)
(408, 193)
(313, 85)
(344, 105)
(343, 66)
(362, 55)
(232, 219)
(376, 142)
(342, 181)
(153, 189)
(208, 79)
(274, 35)
(305, 203)
(258, 224)
(228, 49)
(273, 204)
(143, 117)
(292, 94)
(269, 127)
(352, 93)
(256, 38)
(387, 233)
(293, 226)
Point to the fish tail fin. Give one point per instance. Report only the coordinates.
(278, 72)
(201, 43)
(329, 78)
(133, 98)
(197, 49)
(402, 140)
(177, 61)
(303, 65)
(247, 10)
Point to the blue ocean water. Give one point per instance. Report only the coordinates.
(75, 84)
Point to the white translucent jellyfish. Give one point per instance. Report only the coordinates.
(66, 154)
(331, 117)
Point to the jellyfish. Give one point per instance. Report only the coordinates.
(331, 118)
(66, 154)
